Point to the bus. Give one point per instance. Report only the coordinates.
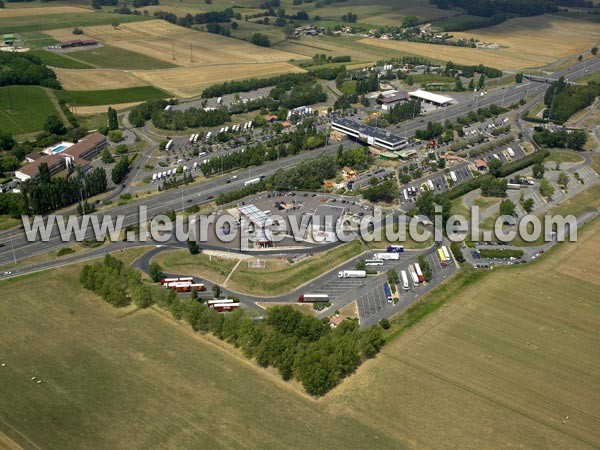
(210, 303)
(374, 262)
(311, 298)
(404, 277)
(442, 257)
(388, 292)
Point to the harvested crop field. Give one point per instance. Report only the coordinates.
(159, 39)
(525, 42)
(99, 109)
(189, 81)
(26, 12)
(96, 79)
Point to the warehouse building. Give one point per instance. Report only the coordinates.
(391, 99)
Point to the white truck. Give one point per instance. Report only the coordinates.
(252, 181)
(446, 254)
(430, 185)
(511, 152)
(387, 256)
(169, 145)
(453, 177)
(352, 274)
(154, 177)
(414, 277)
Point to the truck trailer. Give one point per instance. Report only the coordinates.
(395, 248)
(392, 256)
(419, 272)
(404, 277)
(388, 292)
(352, 274)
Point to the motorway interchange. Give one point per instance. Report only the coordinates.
(372, 305)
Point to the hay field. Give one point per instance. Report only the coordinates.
(502, 366)
(96, 79)
(156, 38)
(189, 81)
(525, 42)
(21, 12)
(542, 38)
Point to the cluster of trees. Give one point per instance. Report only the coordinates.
(469, 71)
(250, 84)
(176, 120)
(142, 3)
(358, 158)
(299, 346)
(98, 4)
(504, 8)
(261, 40)
(575, 139)
(367, 84)
(493, 187)
(425, 268)
(198, 19)
(120, 170)
(329, 73)
(563, 100)
(303, 138)
(23, 68)
(404, 111)
(349, 17)
(300, 95)
(46, 194)
(174, 182)
(380, 191)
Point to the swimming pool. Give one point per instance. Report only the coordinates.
(58, 149)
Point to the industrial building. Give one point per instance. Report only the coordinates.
(375, 137)
(430, 97)
(253, 225)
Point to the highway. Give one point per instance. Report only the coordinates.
(17, 247)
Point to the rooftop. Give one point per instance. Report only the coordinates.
(32, 169)
(430, 96)
(373, 132)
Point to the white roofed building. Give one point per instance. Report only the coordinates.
(430, 97)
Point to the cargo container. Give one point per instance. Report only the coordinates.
(352, 274)
(311, 298)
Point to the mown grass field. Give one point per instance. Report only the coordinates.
(56, 60)
(116, 58)
(501, 366)
(201, 265)
(30, 108)
(558, 155)
(40, 20)
(278, 277)
(111, 96)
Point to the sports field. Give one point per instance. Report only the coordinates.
(162, 40)
(96, 79)
(30, 108)
(190, 81)
(509, 363)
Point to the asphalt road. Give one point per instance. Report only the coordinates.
(16, 245)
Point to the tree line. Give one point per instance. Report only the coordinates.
(45, 194)
(251, 84)
(574, 139)
(23, 68)
(299, 346)
(469, 71)
(563, 100)
(305, 137)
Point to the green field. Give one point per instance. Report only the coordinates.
(22, 24)
(30, 108)
(460, 21)
(110, 96)
(501, 364)
(115, 58)
(56, 60)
